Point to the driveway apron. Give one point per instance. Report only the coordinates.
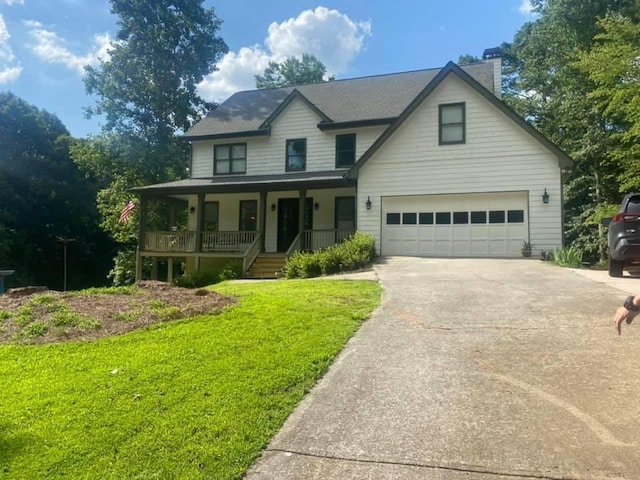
(474, 369)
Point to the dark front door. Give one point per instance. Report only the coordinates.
(289, 218)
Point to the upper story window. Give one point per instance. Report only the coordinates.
(296, 155)
(230, 159)
(345, 150)
(452, 123)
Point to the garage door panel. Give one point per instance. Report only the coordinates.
(491, 225)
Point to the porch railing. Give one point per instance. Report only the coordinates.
(170, 241)
(185, 242)
(317, 239)
(227, 241)
(252, 253)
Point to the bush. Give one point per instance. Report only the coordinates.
(354, 253)
(231, 270)
(568, 257)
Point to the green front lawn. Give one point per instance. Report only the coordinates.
(190, 399)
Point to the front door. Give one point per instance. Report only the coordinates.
(288, 218)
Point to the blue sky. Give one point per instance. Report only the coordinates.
(44, 44)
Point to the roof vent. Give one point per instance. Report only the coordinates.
(494, 52)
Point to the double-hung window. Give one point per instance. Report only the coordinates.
(452, 123)
(345, 150)
(230, 159)
(296, 155)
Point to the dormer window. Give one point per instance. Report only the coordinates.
(345, 150)
(230, 159)
(452, 124)
(296, 155)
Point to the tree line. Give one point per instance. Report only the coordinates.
(573, 72)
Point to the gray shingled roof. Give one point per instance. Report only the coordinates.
(251, 183)
(357, 99)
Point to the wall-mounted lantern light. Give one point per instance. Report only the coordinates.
(316, 206)
(545, 196)
(368, 203)
(192, 209)
(273, 207)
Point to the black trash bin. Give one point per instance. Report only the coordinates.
(3, 274)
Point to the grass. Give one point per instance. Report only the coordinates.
(192, 399)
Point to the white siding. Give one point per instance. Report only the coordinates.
(498, 156)
(266, 155)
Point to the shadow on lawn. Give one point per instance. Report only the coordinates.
(13, 445)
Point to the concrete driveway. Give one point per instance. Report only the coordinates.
(475, 369)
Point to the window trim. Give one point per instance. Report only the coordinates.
(231, 159)
(287, 168)
(463, 124)
(339, 165)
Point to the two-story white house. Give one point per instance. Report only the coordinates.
(429, 162)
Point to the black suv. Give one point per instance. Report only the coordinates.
(624, 236)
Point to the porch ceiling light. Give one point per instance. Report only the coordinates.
(545, 196)
(368, 203)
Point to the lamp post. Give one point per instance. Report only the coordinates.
(65, 241)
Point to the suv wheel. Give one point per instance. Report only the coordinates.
(615, 267)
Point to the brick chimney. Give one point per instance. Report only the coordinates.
(494, 55)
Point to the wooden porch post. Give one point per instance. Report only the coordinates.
(142, 228)
(199, 214)
(263, 218)
(303, 201)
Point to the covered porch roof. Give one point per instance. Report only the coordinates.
(250, 183)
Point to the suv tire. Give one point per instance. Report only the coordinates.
(615, 267)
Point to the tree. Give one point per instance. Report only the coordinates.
(146, 90)
(163, 49)
(613, 66)
(467, 59)
(293, 71)
(44, 197)
(544, 84)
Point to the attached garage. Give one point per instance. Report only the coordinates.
(464, 225)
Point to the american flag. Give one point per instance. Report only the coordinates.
(127, 211)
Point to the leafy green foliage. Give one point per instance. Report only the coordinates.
(231, 270)
(293, 71)
(549, 82)
(44, 197)
(568, 256)
(196, 399)
(163, 49)
(354, 253)
(146, 90)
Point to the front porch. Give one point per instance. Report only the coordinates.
(208, 226)
(243, 246)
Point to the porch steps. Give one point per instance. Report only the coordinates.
(266, 265)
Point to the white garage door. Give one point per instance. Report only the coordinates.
(469, 225)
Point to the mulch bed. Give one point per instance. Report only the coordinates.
(109, 314)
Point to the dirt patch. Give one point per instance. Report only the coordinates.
(37, 316)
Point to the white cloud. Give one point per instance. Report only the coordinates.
(330, 35)
(14, 2)
(9, 69)
(525, 7)
(51, 48)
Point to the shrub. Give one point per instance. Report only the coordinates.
(233, 269)
(567, 257)
(354, 253)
